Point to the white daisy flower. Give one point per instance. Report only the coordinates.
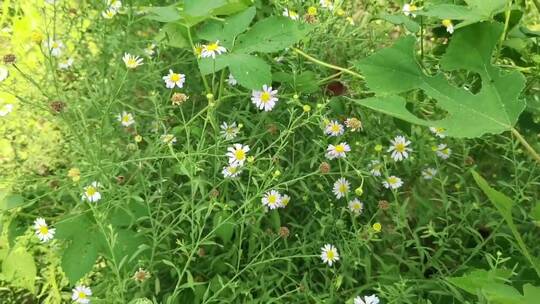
(231, 80)
(65, 64)
(291, 14)
(115, 4)
(237, 154)
(329, 254)
(55, 47)
(4, 73)
(375, 168)
(231, 171)
(334, 128)
(439, 132)
(285, 199)
(272, 199)
(399, 148)
(265, 99)
(126, 119)
(212, 49)
(43, 232)
(229, 131)
(356, 206)
(150, 49)
(372, 299)
(173, 79)
(81, 294)
(447, 23)
(91, 192)
(168, 139)
(109, 13)
(442, 151)
(6, 109)
(392, 182)
(329, 4)
(132, 61)
(429, 173)
(341, 188)
(337, 151)
(408, 10)
(51, 1)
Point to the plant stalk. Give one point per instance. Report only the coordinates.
(328, 65)
(525, 144)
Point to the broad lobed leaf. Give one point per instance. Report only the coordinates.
(493, 110)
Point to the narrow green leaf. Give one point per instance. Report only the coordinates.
(250, 71)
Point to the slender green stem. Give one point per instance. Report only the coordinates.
(506, 23)
(328, 65)
(525, 144)
(537, 4)
(205, 82)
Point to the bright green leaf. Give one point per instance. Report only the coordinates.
(10, 201)
(250, 71)
(475, 11)
(271, 35)
(224, 228)
(225, 31)
(162, 13)
(493, 110)
(209, 65)
(531, 294)
(174, 35)
(79, 258)
(19, 269)
(401, 19)
(202, 8)
(477, 279)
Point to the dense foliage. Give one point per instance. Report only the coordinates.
(269, 151)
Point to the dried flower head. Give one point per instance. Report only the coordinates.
(324, 167)
(141, 275)
(179, 98)
(284, 232)
(57, 106)
(10, 58)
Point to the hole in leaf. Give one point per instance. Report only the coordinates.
(425, 107)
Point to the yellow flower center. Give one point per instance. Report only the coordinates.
(175, 77)
(212, 47)
(131, 62)
(265, 97)
(412, 8)
(334, 128)
(125, 118)
(340, 148)
(312, 11)
(330, 255)
(357, 206)
(81, 295)
(90, 191)
(447, 23)
(392, 180)
(272, 199)
(55, 45)
(240, 154)
(400, 147)
(44, 230)
(342, 188)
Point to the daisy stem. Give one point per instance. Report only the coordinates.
(328, 65)
(525, 144)
(205, 82)
(506, 23)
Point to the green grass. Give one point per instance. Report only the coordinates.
(203, 238)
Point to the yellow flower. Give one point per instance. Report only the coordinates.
(138, 138)
(378, 148)
(306, 108)
(359, 191)
(377, 227)
(74, 174)
(37, 37)
(312, 11)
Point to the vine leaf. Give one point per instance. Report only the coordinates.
(494, 109)
(475, 11)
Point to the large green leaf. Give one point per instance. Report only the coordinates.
(225, 31)
(401, 19)
(79, 258)
(475, 11)
(19, 269)
(271, 35)
(10, 201)
(174, 34)
(202, 8)
(162, 13)
(250, 71)
(494, 109)
(477, 279)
